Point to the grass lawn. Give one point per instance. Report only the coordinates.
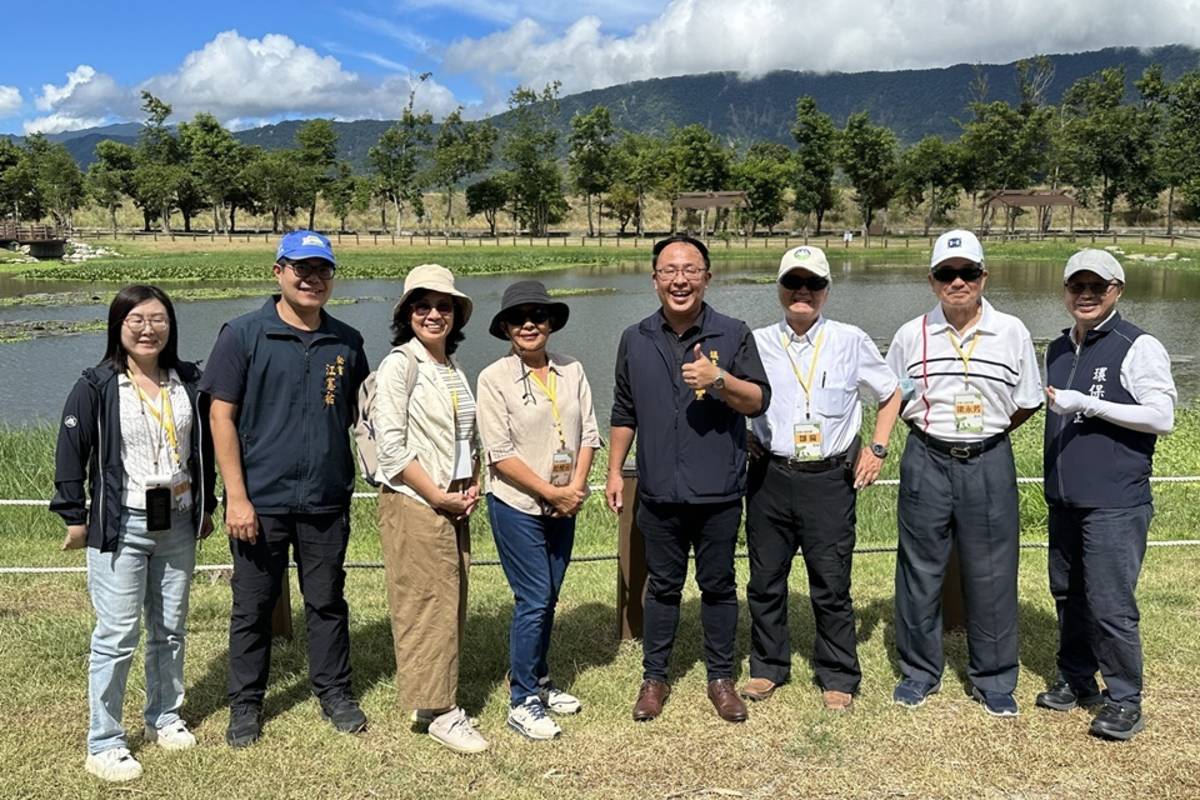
(789, 748)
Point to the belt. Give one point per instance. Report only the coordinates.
(824, 465)
(959, 450)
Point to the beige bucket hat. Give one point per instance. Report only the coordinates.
(434, 278)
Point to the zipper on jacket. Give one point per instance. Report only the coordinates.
(100, 463)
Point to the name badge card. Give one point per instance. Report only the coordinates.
(181, 491)
(562, 467)
(463, 464)
(807, 438)
(968, 412)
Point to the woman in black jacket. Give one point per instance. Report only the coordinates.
(133, 439)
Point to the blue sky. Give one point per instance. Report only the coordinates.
(254, 62)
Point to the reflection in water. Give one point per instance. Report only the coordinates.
(877, 298)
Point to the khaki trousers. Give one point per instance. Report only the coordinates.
(426, 558)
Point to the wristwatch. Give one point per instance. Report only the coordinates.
(879, 450)
(719, 382)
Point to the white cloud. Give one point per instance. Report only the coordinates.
(756, 36)
(616, 13)
(88, 98)
(403, 34)
(58, 122)
(10, 100)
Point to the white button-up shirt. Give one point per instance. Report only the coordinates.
(1003, 369)
(848, 365)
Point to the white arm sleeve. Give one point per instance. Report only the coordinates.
(1145, 374)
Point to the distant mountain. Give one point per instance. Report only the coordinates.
(913, 103)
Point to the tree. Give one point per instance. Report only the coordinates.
(764, 175)
(343, 193)
(59, 181)
(110, 175)
(639, 165)
(279, 179)
(867, 154)
(317, 143)
(1177, 145)
(159, 169)
(211, 153)
(930, 173)
(487, 197)
(696, 162)
(535, 188)
(461, 150)
(590, 158)
(20, 192)
(816, 157)
(623, 205)
(397, 156)
(243, 192)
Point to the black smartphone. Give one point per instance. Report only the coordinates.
(158, 508)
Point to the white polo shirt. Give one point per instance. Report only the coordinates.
(1002, 370)
(848, 364)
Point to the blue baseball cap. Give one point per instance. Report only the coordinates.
(302, 244)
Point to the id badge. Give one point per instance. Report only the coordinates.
(463, 465)
(807, 439)
(561, 468)
(181, 491)
(158, 503)
(968, 412)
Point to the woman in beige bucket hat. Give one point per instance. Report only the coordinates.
(424, 418)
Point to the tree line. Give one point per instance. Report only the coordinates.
(1099, 143)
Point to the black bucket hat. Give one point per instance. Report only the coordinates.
(528, 293)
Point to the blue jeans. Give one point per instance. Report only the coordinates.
(534, 551)
(150, 571)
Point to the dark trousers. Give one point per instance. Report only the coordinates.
(534, 552)
(814, 512)
(670, 532)
(319, 543)
(973, 502)
(1095, 558)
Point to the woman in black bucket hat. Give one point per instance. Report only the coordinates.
(539, 435)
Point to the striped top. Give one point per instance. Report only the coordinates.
(464, 403)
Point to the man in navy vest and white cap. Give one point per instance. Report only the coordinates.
(970, 376)
(1111, 396)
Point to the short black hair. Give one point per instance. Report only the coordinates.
(126, 300)
(402, 329)
(663, 244)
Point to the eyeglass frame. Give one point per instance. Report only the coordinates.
(529, 314)
(155, 323)
(1090, 286)
(325, 271)
(444, 307)
(689, 271)
(975, 270)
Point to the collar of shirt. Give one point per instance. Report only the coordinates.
(810, 336)
(986, 324)
(693, 329)
(123, 379)
(1104, 327)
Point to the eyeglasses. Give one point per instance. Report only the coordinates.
(948, 274)
(691, 272)
(535, 314)
(422, 308)
(324, 271)
(795, 283)
(136, 322)
(1090, 287)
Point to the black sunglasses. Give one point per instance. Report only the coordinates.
(517, 316)
(948, 274)
(795, 283)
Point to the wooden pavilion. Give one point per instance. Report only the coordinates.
(1042, 201)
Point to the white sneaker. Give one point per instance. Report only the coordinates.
(556, 700)
(114, 765)
(529, 719)
(172, 736)
(455, 730)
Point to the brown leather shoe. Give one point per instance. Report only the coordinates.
(651, 697)
(724, 698)
(841, 702)
(758, 689)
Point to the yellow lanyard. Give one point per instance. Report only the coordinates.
(550, 389)
(806, 383)
(164, 415)
(966, 357)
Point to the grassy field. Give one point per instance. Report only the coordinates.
(789, 748)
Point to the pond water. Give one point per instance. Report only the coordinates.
(877, 298)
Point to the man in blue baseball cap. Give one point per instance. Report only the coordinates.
(284, 386)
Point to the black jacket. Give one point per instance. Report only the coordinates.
(89, 452)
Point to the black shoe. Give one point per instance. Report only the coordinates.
(1062, 697)
(245, 725)
(1117, 722)
(344, 714)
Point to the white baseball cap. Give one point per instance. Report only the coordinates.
(1101, 262)
(804, 257)
(956, 244)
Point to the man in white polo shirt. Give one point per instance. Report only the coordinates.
(808, 464)
(970, 377)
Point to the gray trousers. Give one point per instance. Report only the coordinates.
(973, 502)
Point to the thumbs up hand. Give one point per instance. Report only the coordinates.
(700, 373)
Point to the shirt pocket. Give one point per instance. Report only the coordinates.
(834, 401)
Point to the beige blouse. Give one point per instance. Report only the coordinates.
(422, 427)
(516, 419)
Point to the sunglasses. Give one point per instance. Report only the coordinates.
(795, 283)
(948, 274)
(305, 271)
(1091, 287)
(422, 308)
(518, 316)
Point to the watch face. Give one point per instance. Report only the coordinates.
(879, 450)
